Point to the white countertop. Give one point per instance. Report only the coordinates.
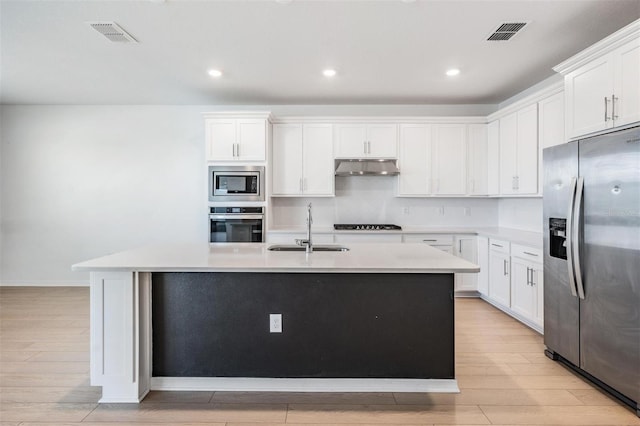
(254, 257)
(528, 238)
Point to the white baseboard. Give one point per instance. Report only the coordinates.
(44, 284)
(511, 313)
(251, 384)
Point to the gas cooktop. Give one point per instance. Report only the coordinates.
(365, 227)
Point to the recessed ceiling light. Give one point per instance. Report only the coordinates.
(329, 73)
(452, 72)
(215, 73)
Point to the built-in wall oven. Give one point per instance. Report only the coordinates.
(236, 224)
(236, 183)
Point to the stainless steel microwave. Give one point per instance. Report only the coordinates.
(236, 183)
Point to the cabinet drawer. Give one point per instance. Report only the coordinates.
(527, 253)
(431, 239)
(500, 246)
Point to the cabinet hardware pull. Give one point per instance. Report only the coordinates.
(496, 245)
(505, 266)
(364, 146)
(237, 150)
(532, 283)
(529, 270)
(606, 107)
(530, 254)
(613, 107)
(233, 147)
(428, 240)
(460, 246)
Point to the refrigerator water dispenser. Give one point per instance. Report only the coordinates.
(558, 238)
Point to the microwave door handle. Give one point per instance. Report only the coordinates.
(569, 238)
(235, 216)
(577, 226)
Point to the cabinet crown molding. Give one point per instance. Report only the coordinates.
(238, 114)
(601, 48)
(529, 100)
(379, 120)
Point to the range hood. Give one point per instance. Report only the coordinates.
(366, 167)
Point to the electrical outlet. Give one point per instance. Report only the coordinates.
(275, 323)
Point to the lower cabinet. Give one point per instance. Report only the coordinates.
(515, 280)
(466, 247)
(483, 261)
(499, 272)
(291, 237)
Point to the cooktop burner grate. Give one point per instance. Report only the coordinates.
(365, 227)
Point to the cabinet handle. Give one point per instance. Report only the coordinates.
(364, 146)
(460, 246)
(234, 150)
(606, 107)
(530, 254)
(369, 146)
(496, 245)
(613, 107)
(505, 266)
(528, 270)
(532, 283)
(237, 150)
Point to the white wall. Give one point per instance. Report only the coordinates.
(521, 213)
(371, 199)
(83, 181)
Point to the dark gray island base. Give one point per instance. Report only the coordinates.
(334, 325)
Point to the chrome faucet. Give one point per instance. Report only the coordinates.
(308, 243)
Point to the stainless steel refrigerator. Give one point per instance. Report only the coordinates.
(592, 259)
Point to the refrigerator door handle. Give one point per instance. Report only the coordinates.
(569, 240)
(576, 235)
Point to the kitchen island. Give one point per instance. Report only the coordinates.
(378, 317)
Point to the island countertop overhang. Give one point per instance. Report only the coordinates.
(255, 257)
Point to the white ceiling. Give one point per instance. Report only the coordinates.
(385, 51)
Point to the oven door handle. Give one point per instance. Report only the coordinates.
(235, 216)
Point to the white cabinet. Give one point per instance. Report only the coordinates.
(499, 272)
(291, 237)
(605, 92)
(449, 161)
(302, 160)
(466, 248)
(493, 158)
(345, 238)
(236, 139)
(483, 262)
(527, 283)
(550, 127)
(442, 242)
(414, 160)
(477, 151)
(519, 152)
(366, 140)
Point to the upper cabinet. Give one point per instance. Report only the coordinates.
(415, 160)
(302, 160)
(236, 138)
(477, 159)
(366, 140)
(602, 84)
(519, 152)
(493, 158)
(449, 159)
(550, 127)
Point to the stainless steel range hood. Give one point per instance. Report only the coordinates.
(366, 167)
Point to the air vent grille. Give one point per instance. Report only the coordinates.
(506, 31)
(113, 32)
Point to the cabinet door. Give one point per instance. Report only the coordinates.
(493, 158)
(449, 159)
(527, 151)
(477, 159)
(383, 140)
(415, 160)
(550, 127)
(351, 141)
(221, 139)
(466, 248)
(538, 284)
(627, 83)
(523, 294)
(251, 140)
(508, 153)
(483, 262)
(318, 173)
(588, 93)
(287, 159)
(499, 280)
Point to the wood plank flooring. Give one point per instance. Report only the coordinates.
(504, 378)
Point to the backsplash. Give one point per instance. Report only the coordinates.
(371, 199)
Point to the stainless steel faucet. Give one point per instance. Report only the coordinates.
(308, 243)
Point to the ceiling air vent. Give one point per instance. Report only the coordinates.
(505, 31)
(113, 32)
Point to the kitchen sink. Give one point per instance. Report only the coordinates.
(319, 247)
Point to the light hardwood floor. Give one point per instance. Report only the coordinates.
(504, 378)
